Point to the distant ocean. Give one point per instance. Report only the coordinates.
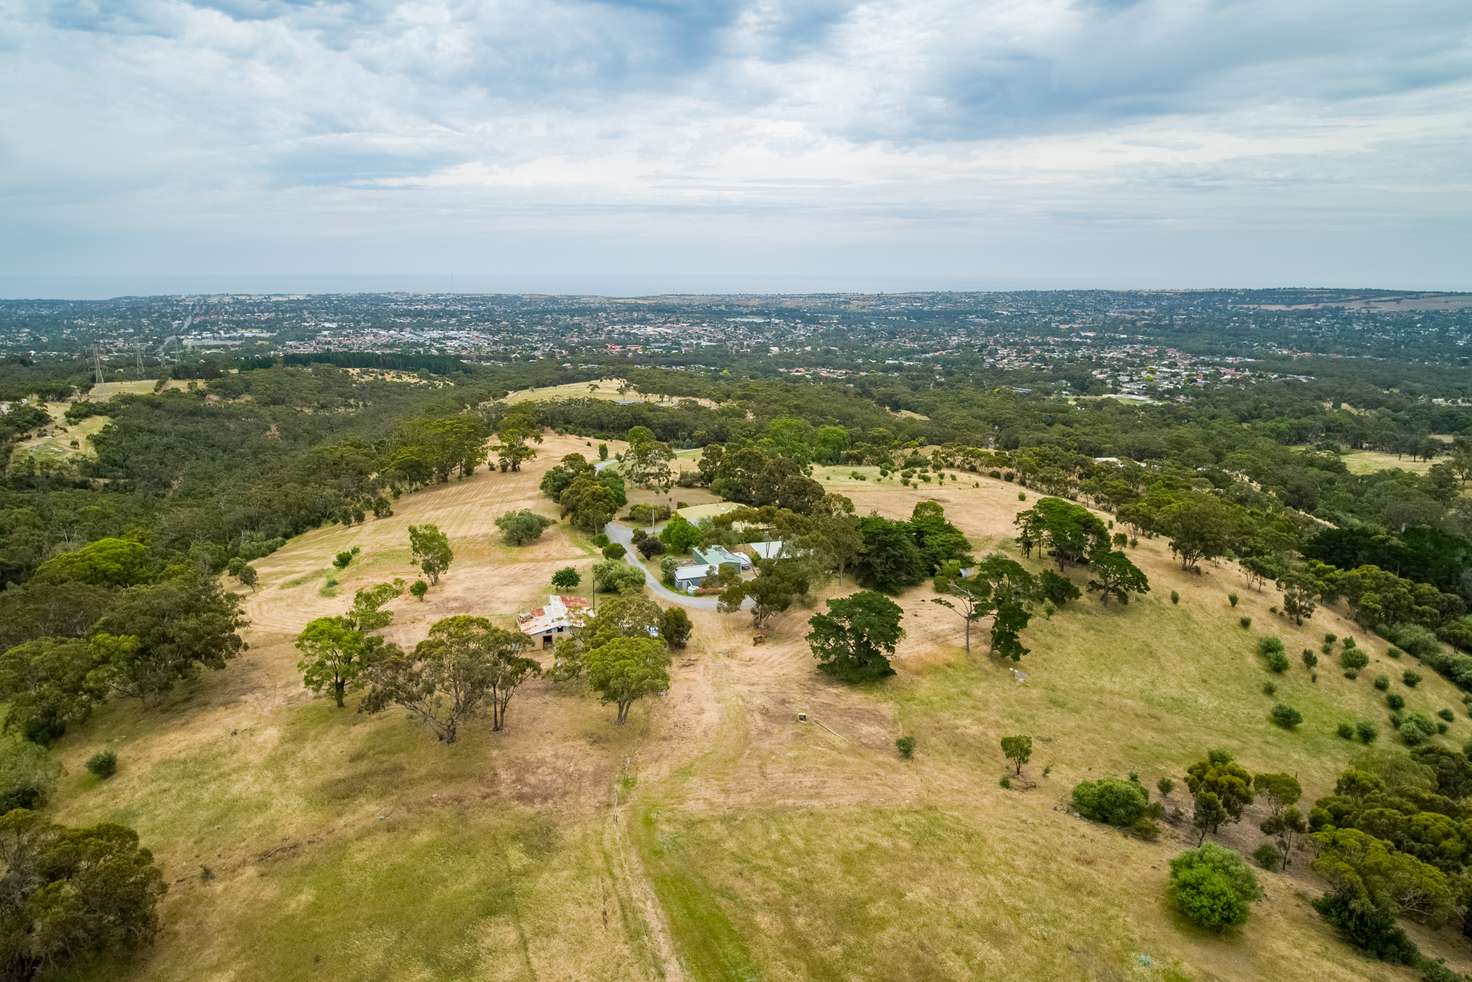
(87, 287)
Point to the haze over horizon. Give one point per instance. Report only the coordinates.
(654, 146)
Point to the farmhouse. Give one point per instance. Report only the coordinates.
(559, 615)
(721, 556)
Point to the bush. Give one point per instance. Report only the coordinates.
(1416, 729)
(1277, 662)
(1286, 716)
(1233, 599)
(1365, 925)
(1268, 856)
(649, 547)
(1354, 659)
(522, 527)
(103, 764)
(1111, 800)
(418, 589)
(1411, 679)
(1175, 596)
(906, 746)
(1382, 682)
(1269, 689)
(613, 576)
(1244, 622)
(1165, 786)
(1345, 731)
(1366, 731)
(342, 559)
(1212, 887)
(1396, 702)
(1309, 659)
(1446, 714)
(1420, 641)
(614, 550)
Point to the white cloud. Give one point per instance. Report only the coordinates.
(1149, 140)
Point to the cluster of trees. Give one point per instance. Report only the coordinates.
(465, 666)
(1073, 535)
(894, 555)
(96, 631)
(1395, 840)
(589, 498)
(72, 894)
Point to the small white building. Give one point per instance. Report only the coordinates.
(766, 550)
(558, 616)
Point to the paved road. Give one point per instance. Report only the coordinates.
(619, 532)
(623, 534)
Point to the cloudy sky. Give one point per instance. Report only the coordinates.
(734, 144)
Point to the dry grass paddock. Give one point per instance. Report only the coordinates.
(715, 836)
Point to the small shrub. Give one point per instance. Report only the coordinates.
(1345, 731)
(103, 764)
(342, 559)
(1021, 496)
(1382, 682)
(600, 540)
(1411, 679)
(1330, 638)
(1396, 702)
(1277, 662)
(1446, 714)
(1165, 786)
(1441, 727)
(1233, 599)
(1286, 716)
(1309, 659)
(418, 589)
(1269, 689)
(1006, 781)
(1175, 596)
(1394, 652)
(614, 550)
(1351, 673)
(1348, 643)
(1354, 658)
(1366, 732)
(1245, 622)
(906, 746)
(1212, 887)
(1268, 857)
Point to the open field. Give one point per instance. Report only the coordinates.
(715, 836)
(606, 388)
(1370, 461)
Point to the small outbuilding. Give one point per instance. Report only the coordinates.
(559, 615)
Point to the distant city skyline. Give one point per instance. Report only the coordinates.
(635, 147)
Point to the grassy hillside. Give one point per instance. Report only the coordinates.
(715, 836)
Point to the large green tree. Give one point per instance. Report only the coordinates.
(625, 669)
(429, 548)
(854, 638)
